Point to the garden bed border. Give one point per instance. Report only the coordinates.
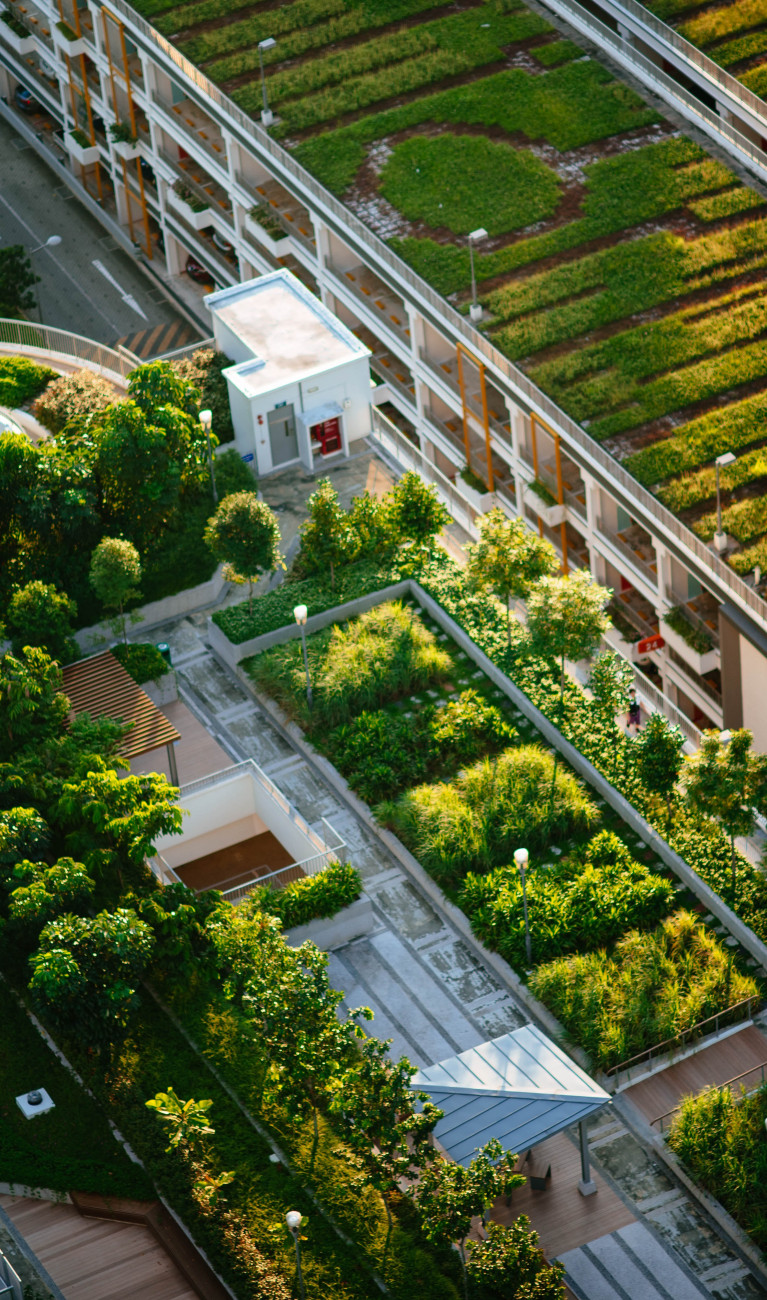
(409, 587)
(156, 612)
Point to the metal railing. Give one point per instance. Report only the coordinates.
(284, 876)
(757, 1083)
(164, 871)
(28, 337)
(662, 704)
(637, 499)
(389, 439)
(607, 535)
(731, 1015)
(177, 354)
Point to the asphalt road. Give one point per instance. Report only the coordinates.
(87, 283)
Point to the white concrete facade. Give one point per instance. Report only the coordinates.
(602, 518)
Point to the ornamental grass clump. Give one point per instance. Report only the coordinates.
(476, 821)
(648, 989)
(589, 899)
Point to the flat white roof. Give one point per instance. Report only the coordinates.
(290, 333)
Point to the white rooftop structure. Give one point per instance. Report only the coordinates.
(520, 1088)
(300, 385)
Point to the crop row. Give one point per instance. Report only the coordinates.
(744, 520)
(715, 24)
(726, 204)
(691, 489)
(745, 47)
(726, 429)
(570, 106)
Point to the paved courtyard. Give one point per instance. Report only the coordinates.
(433, 996)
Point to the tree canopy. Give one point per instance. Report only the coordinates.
(508, 559)
(244, 535)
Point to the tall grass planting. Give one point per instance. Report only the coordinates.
(477, 820)
(647, 989)
(373, 659)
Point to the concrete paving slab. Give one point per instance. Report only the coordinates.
(406, 1007)
(633, 1168)
(213, 686)
(657, 1261)
(343, 977)
(309, 794)
(467, 979)
(407, 911)
(258, 741)
(410, 971)
(685, 1229)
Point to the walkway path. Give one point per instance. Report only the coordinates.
(738, 1052)
(429, 991)
(92, 1259)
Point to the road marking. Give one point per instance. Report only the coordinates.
(37, 239)
(127, 298)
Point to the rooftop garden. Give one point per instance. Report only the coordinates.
(624, 268)
(731, 33)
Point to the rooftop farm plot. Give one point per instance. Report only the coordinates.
(625, 269)
(464, 779)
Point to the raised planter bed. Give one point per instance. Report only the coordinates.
(277, 245)
(700, 663)
(67, 41)
(198, 220)
(20, 44)
(126, 149)
(552, 515)
(85, 155)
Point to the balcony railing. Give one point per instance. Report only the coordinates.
(42, 339)
(631, 556)
(730, 1016)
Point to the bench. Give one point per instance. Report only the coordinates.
(538, 1172)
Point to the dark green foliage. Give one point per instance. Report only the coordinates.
(69, 1149)
(510, 1264)
(21, 380)
(203, 371)
(72, 397)
(382, 753)
(41, 616)
(17, 281)
(232, 474)
(142, 660)
(588, 900)
(312, 896)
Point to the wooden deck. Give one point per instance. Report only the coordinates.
(714, 1065)
(561, 1216)
(90, 1259)
(197, 753)
(236, 865)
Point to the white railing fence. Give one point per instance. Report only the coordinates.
(39, 339)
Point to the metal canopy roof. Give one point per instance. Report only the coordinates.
(520, 1088)
(101, 686)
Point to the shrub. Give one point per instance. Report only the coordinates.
(232, 474)
(382, 753)
(650, 988)
(588, 900)
(477, 821)
(142, 660)
(695, 637)
(374, 658)
(39, 615)
(21, 380)
(71, 396)
(332, 889)
(203, 370)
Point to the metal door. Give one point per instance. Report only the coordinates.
(282, 435)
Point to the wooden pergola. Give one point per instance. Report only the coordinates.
(101, 687)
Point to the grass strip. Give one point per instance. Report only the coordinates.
(744, 520)
(726, 429)
(691, 489)
(714, 24)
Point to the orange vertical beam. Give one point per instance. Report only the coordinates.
(486, 419)
(462, 387)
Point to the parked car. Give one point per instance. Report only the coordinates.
(196, 271)
(25, 100)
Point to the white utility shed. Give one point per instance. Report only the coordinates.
(299, 390)
(520, 1088)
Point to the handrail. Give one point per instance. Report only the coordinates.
(719, 1086)
(45, 338)
(684, 1036)
(704, 561)
(282, 876)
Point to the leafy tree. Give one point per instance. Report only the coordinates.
(508, 559)
(33, 706)
(41, 616)
(659, 756)
(244, 535)
(157, 384)
(510, 1265)
(71, 396)
(376, 1106)
(85, 975)
(115, 574)
(43, 892)
(327, 536)
(371, 521)
(728, 782)
(449, 1195)
(17, 280)
(111, 823)
(186, 1121)
(23, 834)
(566, 618)
(203, 371)
(610, 681)
(416, 511)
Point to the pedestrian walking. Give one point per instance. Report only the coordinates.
(635, 712)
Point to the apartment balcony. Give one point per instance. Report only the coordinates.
(382, 303)
(446, 371)
(21, 42)
(705, 691)
(204, 191)
(265, 231)
(282, 206)
(38, 21)
(634, 547)
(201, 131)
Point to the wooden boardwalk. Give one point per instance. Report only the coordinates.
(197, 753)
(92, 1259)
(714, 1065)
(562, 1217)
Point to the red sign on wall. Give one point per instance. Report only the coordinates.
(649, 643)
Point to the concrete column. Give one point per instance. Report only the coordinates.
(171, 752)
(587, 1186)
(626, 36)
(724, 113)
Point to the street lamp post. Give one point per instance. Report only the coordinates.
(721, 462)
(206, 420)
(475, 311)
(267, 116)
(293, 1219)
(51, 242)
(520, 857)
(300, 614)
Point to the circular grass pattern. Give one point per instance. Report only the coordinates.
(467, 181)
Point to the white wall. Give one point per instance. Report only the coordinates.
(233, 802)
(753, 677)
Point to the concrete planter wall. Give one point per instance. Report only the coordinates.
(481, 501)
(279, 247)
(198, 220)
(19, 44)
(700, 663)
(332, 932)
(233, 654)
(74, 48)
(126, 149)
(82, 154)
(156, 612)
(163, 692)
(551, 515)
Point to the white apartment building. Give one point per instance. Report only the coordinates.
(243, 207)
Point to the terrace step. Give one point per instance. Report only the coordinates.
(630, 1264)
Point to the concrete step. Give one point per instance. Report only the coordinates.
(630, 1264)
